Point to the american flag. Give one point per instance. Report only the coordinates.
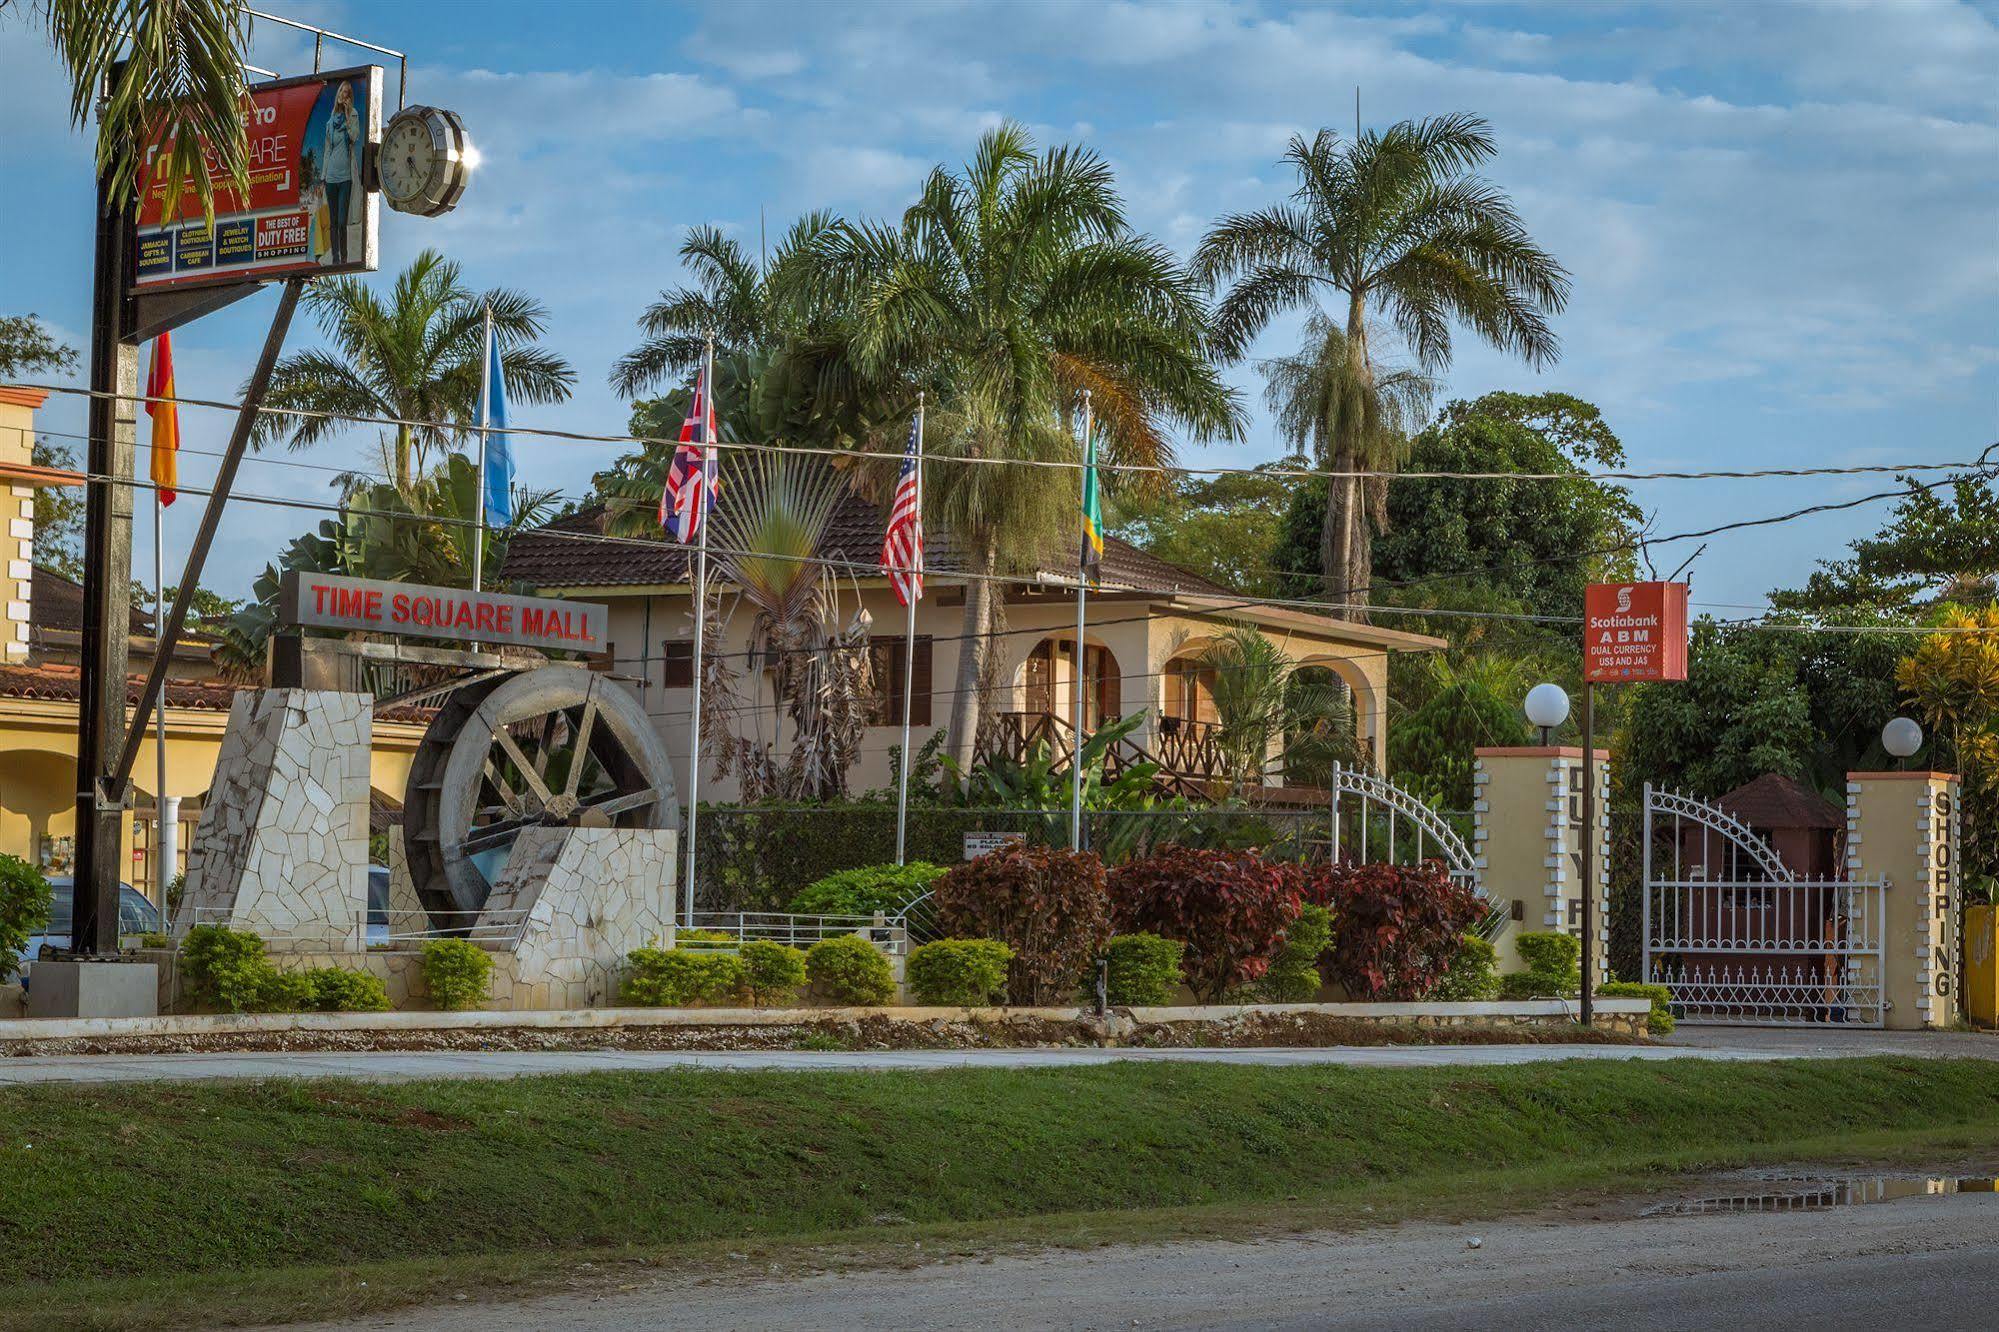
(902, 544)
(684, 502)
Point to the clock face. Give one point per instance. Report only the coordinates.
(409, 160)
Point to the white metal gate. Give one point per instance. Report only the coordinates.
(1377, 819)
(1737, 937)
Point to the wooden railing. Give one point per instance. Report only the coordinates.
(1186, 754)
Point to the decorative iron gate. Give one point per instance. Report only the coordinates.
(1375, 818)
(1737, 937)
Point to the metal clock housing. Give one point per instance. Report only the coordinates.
(424, 161)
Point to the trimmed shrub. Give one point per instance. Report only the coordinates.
(1230, 909)
(681, 977)
(866, 890)
(1293, 977)
(457, 972)
(284, 991)
(703, 939)
(1554, 961)
(24, 909)
(847, 969)
(968, 973)
(1395, 927)
(772, 973)
(1660, 1021)
(1473, 973)
(345, 990)
(155, 939)
(227, 968)
(1144, 969)
(1527, 985)
(1046, 904)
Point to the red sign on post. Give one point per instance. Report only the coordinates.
(1635, 631)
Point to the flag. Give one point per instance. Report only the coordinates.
(499, 449)
(166, 420)
(902, 544)
(1093, 515)
(684, 501)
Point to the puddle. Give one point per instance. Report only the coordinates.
(1818, 1195)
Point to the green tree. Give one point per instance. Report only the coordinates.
(1267, 706)
(1009, 288)
(414, 358)
(1220, 527)
(58, 513)
(1450, 705)
(1398, 222)
(28, 348)
(1952, 680)
(1940, 545)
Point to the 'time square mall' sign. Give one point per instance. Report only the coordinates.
(330, 601)
(1635, 631)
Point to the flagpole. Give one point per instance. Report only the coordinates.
(707, 409)
(908, 663)
(485, 419)
(1082, 600)
(162, 870)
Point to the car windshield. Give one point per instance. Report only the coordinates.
(136, 913)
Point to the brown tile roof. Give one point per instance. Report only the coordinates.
(1773, 801)
(573, 552)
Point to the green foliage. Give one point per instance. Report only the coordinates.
(59, 513)
(24, 909)
(28, 348)
(1554, 966)
(1941, 545)
(681, 977)
(1263, 700)
(1458, 702)
(866, 890)
(772, 972)
(345, 990)
(155, 939)
(1144, 969)
(227, 968)
(1660, 1021)
(1293, 977)
(847, 969)
(457, 972)
(1222, 527)
(1473, 975)
(703, 939)
(1047, 904)
(967, 973)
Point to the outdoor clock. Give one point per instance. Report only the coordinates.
(424, 161)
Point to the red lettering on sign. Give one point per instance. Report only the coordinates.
(1635, 631)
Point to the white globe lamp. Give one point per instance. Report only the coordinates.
(1547, 707)
(1902, 738)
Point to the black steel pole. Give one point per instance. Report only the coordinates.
(168, 634)
(1589, 847)
(107, 583)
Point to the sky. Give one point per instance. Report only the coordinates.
(1782, 220)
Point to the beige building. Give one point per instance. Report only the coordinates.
(1146, 627)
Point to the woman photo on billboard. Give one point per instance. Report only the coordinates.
(339, 167)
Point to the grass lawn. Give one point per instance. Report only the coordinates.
(139, 1205)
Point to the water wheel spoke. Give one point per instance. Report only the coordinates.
(521, 764)
(545, 745)
(494, 834)
(510, 799)
(617, 802)
(580, 753)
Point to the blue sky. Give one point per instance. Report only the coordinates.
(1782, 220)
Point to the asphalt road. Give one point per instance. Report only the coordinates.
(1922, 1260)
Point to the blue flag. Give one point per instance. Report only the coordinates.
(499, 450)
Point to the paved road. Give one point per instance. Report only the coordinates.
(1925, 1259)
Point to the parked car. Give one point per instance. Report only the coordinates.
(136, 915)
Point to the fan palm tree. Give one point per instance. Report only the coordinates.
(415, 358)
(1266, 702)
(1399, 223)
(1010, 287)
(167, 71)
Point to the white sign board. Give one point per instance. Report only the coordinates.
(981, 843)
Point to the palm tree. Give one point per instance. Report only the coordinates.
(1010, 287)
(414, 358)
(1264, 701)
(1399, 220)
(167, 71)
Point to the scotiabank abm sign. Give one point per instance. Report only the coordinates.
(330, 601)
(1635, 631)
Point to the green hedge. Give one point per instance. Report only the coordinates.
(968, 973)
(772, 973)
(1293, 977)
(1473, 975)
(1144, 969)
(681, 977)
(228, 969)
(867, 889)
(457, 972)
(1660, 1021)
(24, 909)
(847, 969)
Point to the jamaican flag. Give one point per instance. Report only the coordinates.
(1093, 514)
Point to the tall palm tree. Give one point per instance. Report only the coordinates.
(1009, 287)
(1397, 221)
(168, 71)
(414, 358)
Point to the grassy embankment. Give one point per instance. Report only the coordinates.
(137, 1205)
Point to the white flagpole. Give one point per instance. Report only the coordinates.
(700, 587)
(485, 419)
(163, 844)
(1082, 599)
(908, 661)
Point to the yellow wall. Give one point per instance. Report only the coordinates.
(1528, 837)
(1903, 827)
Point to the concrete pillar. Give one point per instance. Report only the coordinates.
(17, 506)
(1527, 836)
(1903, 827)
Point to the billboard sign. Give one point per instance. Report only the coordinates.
(1635, 631)
(308, 210)
(370, 605)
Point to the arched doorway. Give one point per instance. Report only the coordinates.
(1048, 682)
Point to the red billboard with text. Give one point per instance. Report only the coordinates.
(1635, 631)
(308, 209)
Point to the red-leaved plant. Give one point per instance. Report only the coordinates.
(1230, 908)
(1045, 903)
(1396, 928)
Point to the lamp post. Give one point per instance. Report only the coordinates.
(1547, 707)
(1902, 737)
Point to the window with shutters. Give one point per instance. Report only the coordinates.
(679, 663)
(886, 656)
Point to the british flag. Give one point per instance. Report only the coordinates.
(902, 544)
(684, 501)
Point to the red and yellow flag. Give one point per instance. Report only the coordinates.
(166, 419)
